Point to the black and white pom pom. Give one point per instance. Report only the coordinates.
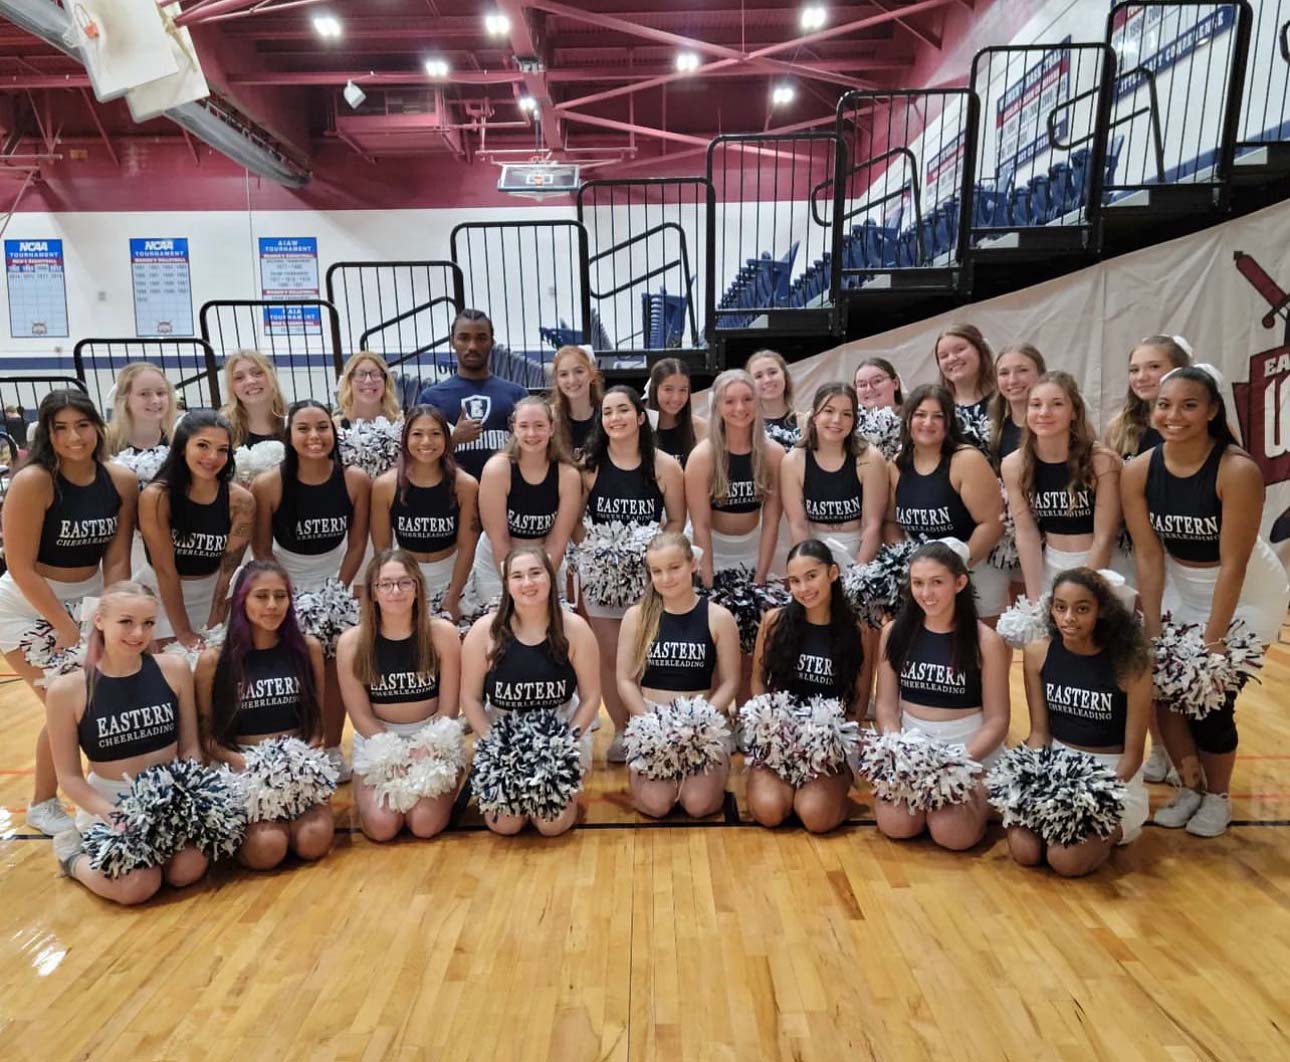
(975, 425)
(784, 434)
(250, 461)
(327, 613)
(876, 589)
(769, 732)
(882, 428)
(1004, 556)
(610, 562)
(372, 445)
(1024, 621)
(684, 737)
(38, 646)
(827, 739)
(211, 638)
(747, 601)
(424, 765)
(144, 463)
(529, 763)
(209, 810)
(1192, 679)
(1063, 795)
(909, 767)
(284, 778)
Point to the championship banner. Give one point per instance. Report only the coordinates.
(1160, 37)
(1021, 115)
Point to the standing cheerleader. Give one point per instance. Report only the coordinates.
(769, 372)
(942, 486)
(530, 492)
(877, 385)
(732, 483)
(125, 711)
(427, 506)
(255, 406)
(1088, 685)
(68, 522)
(966, 365)
(812, 647)
(1193, 506)
(1063, 487)
(833, 483)
(1017, 368)
(676, 426)
(143, 410)
(676, 644)
(400, 669)
(576, 396)
(625, 481)
(196, 523)
(944, 673)
(367, 390)
(1131, 431)
(263, 683)
(530, 654)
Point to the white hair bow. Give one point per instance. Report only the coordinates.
(957, 545)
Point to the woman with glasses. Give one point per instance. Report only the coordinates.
(878, 385)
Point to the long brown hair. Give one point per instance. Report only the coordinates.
(447, 463)
(985, 379)
(560, 404)
(854, 444)
(425, 660)
(1082, 442)
(663, 368)
(1000, 410)
(1126, 429)
(651, 603)
(500, 630)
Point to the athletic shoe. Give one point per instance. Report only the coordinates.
(1178, 812)
(49, 817)
(337, 758)
(67, 847)
(1157, 767)
(1213, 817)
(617, 751)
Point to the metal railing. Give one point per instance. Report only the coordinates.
(1265, 112)
(189, 364)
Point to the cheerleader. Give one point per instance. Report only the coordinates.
(941, 486)
(125, 711)
(966, 366)
(811, 647)
(529, 492)
(399, 670)
(878, 385)
(366, 390)
(530, 654)
(143, 410)
(1088, 685)
(625, 479)
(676, 426)
(263, 683)
(1063, 487)
(676, 644)
(576, 396)
(1131, 431)
(769, 372)
(833, 483)
(196, 524)
(942, 672)
(1016, 368)
(67, 525)
(1193, 506)
(255, 406)
(428, 506)
(732, 483)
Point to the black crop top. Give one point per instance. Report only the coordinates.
(929, 678)
(1086, 706)
(683, 656)
(313, 518)
(252, 438)
(400, 682)
(1186, 512)
(427, 521)
(579, 432)
(929, 506)
(831, 497)
(1009, 437)
(130, 715)
(526, 678)
(198, 550)
(813, 676)
(1057, 510)
(270, 697)
(1148, 440)
(627, 495)
(531, 507)
(81, 523)
(741, 495)
(669, 441)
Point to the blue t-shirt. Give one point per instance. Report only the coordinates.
(491, 400)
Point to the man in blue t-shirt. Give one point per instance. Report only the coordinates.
(477, 403)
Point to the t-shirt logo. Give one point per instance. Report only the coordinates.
(477, 407)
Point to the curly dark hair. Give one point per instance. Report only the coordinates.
(1117, 630)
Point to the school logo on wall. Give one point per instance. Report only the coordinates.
(477, 407)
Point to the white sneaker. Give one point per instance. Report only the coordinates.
(1157, 768)
(49, 817)
(1212, 819)
(67, 847)
(617, 751)
(343, 771)
(1178, 811)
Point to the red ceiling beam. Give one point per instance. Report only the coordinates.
(528, 50)
(44, 81)
(367, 79)
(98, 124)
(908, 25)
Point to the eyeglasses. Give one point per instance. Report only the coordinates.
(869, 385)
(369, 374)
(388, 586)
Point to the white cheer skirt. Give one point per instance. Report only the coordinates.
(198, 595)
(17, 614)
(844, 545)
(566, 712)
(403, 730)
(1137, 806)
(1057, 561)
(308, 571)
(109, 789)
(959, 731)
(1265, 594)
(731, 551)
(486, 573)
(991, 585)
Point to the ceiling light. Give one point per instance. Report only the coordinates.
(437, 67)
(354, 95)
(813, 17)
(327, 27)
(527, 103)
(497, 25)
(686, 61)
(782, 94)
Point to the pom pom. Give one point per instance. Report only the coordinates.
(1024, 621)
(284, 778)
(529, 763)
(768, 731)
(610, 562)
(882, 428)
(798, 740)
(372, 445)
(211, 638)
(38, 647)
(733, 588)
(876, 589)
(327, 613)
(208, 812)
(828, 739)
(975, 425)
(909, 767)
(424, 765)
(784, 434)
(1004, 556)
(250, 461)
(687, 736)
(1063, 795)
(144, 463)
(1194, 680)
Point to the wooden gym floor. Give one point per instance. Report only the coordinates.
(681, 940)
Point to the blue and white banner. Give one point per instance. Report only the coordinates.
(1156, 38)
(289, 270)
(1021, 114)
(163, 295)
(37, 285)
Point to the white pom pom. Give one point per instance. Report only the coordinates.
(284, 778)
(1024, 621)
(143, 463)
(372, 445)
(881, 427)
(687, 736)
(327, 613)
(909, 767)
(1192, 679)
(250, 461)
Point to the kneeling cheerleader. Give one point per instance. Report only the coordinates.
(530, 687)
(131, 714)
(678, 673)
(400, 671)
(943, 706)
(257, 696)
(1074, 790)
(810, 672)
